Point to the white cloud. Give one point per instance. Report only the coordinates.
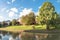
(13, 1)
(36, 13)
(7, 10)
(39, 7)
(25, 11)
(14, 9)
(3, 9)
(58, 1)
(12, 12)
(1, 18)
(8, 2)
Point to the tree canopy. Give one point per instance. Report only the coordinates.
(46, 13)
(28, 19)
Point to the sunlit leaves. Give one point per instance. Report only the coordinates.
(28, 19)
(47, 13)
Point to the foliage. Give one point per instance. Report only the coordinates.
(4, 24)
(28, 19)
(14, 22)
(47, 14)
(10, 24)
(58, 22)
(0, 25)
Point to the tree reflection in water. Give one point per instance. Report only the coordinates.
(40, 36)
(29, 36)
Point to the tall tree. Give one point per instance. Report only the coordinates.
(47, 14)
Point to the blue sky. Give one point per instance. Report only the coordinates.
(13, 9)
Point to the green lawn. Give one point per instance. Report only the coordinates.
(25, 27)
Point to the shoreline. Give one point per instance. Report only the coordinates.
(33, 31)
(43, 31)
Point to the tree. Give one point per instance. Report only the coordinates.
(0, 25)
(47, 14)
(4, 24)
(10, 24)
(14, 22)
(58, 22)
(28, 19)
(31, 17)
(23, 20)
(58, 19)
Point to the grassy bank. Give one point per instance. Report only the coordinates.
(22, 28)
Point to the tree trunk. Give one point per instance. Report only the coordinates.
(47, 27)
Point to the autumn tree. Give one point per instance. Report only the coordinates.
(46, 14)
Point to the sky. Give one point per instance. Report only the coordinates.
(14, 9)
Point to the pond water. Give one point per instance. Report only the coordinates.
(28, 36)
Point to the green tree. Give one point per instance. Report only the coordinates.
(14, 22)
(58, 19)
(23, 20)
(31, 17)
(0, 25)
(10, 24)
(58, 22)
(28, 19)
(46, 14)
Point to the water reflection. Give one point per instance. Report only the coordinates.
(28, 36)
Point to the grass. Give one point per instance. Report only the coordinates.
(27, 27)
(38, 27)
(21, 28)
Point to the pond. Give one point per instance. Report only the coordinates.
(28, 36)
